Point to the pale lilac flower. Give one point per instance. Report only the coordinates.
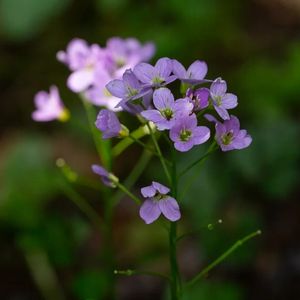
(98, 93)
(105, 176)
(127, 88)
(186, 134)
(158, 202)
(82, 60)
(167, 109)
(195, 74)
(136, 106)
(199, 98)
(155, 76)
(49, 106)
(126, 53)
(108, 123)
(228, 134)
(222, 100)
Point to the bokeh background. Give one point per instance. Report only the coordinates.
(48, 248)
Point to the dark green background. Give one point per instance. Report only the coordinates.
(254, 45)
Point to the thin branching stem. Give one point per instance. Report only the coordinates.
(222, 257)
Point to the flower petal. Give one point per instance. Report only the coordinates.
(148, 191)
(117, 88)
(178, 69)
(160, 188)
(200, 135)
(184, 146)
(153, 115)
(223, 113)
(164, 67)
(80, 80)
(197, 70)
(144, 72)
(163, 98)
(170, 209)
(218, 87)
(229, 101)
(150, 211)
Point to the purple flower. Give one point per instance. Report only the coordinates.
(82, 60)
(167, 110)
(222, 100)
(195, 74)
(199, 98)
(98, 93)
(106, 177)
(129, 88)
(158, 202)
(186, 134)
(155, 76)
(228, 134)
(126, 53)
(49, 106)
(108, 123)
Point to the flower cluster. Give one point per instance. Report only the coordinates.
(117, 77)
(143, 90)
(92, 67)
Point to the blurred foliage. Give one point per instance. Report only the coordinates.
(23, 19)
(241, 40)
(29, 182)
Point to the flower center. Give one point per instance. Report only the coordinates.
(106, 93)
(218, 100)
(227, 138)
(185, 135)
(167, 113)
(131, 91)
(159, 197)
(120, 62)
(157, 80)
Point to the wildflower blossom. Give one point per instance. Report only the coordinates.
(155, 76)
(107, 178)
(186, 134)
(98, 93)
(127, 88)
(199, 98)
(193, 75)
(108, 123)
(49, 106)
(82, 60)
(222, 100)
(158, 202)
(126, 53)
(228, 134)
(93, 67)
(167, 110)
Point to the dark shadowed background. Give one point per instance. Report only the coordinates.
(48, 249)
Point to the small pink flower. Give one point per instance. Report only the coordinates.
(49, 106)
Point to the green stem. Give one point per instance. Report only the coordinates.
(209, 226)
(134, 175)
(140, 272)
(210, 150)
(146, 147)
(43, 273)
(128, 193)
(126, 142)
(83, 205)
(162, 160)
(102, 146)
(175, 274)
(234, 247)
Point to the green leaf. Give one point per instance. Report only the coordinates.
(22, 19)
